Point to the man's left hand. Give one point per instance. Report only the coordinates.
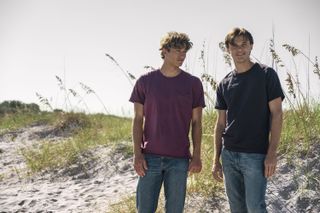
(195, 165)
(270, 164)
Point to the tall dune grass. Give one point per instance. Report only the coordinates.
(301, 128)
(301, 125)
(88, 131)
(73, 99)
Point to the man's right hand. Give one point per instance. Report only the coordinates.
(217, 172)
(140, 164)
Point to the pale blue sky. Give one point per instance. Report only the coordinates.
(40, 39)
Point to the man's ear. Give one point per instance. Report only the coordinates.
(165, 51)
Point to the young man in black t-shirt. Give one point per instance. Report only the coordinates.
(249, 105)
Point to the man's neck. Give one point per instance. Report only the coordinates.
(243, 67)
(170, 71)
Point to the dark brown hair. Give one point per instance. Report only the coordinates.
(235, 32)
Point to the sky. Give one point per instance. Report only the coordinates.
(42, 39)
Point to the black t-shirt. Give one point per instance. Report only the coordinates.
(245, 96)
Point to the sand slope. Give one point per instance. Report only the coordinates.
(103, 176)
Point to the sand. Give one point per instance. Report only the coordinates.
(104, 175)
(100, 177)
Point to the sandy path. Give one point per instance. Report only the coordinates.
(103, 176)
(105, 180)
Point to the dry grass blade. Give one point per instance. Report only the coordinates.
(202, 56)
(208, 78)
(60, 83)
(149, 67)
(316, 67)
(226, 55)
(44, 101)
(274, 54)
(132, 77)
(87, 89)
(290, 85)
(294, 51)
(222, 47)
(74, 93)
(112, 59)
(128, 75)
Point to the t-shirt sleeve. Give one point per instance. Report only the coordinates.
(220, 102)
(138, 92)
(274, 89)
(198, 94)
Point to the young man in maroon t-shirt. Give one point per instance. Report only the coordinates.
(166, 101)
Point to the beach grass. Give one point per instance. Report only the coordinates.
(301, 128)
(87, 131)
(11, 122)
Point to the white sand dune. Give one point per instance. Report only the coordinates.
(103, 176)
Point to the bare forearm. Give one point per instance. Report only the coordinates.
(217, 142)
(137, 131)
(276, 125)
(196, 139)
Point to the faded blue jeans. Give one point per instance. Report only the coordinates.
(172, 172)
(245, 182)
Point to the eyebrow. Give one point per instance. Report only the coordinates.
(242, 43)
(182, 49)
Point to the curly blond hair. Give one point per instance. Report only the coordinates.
(175, 40)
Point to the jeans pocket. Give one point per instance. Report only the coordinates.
(226, 157)
(253, 163)
(153, 164)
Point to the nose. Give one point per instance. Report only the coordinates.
(239, 48)
(182, 55)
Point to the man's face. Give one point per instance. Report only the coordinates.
(240, 50)
(175, 56)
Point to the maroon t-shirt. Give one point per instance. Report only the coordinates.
(167, 104)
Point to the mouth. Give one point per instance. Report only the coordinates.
(240, 56)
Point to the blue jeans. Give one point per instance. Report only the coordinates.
(245, 182)
(173, 173)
